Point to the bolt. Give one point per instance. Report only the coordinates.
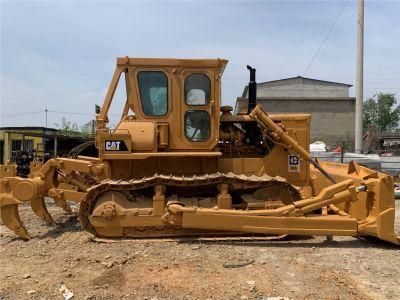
(109, 212)
(362, 188)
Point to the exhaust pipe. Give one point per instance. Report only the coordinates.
(252, 132)
(252, 90)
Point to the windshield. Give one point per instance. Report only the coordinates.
(153, 88)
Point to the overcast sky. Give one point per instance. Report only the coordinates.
(61, 55)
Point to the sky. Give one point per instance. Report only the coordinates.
(60, 55)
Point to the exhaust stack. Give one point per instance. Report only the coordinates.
(252, 90)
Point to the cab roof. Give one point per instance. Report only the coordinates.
(173, 62)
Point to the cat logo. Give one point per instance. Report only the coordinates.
(293, 163)
(115, 146)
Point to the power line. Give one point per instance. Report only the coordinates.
(78, 97)
(68, 90)
(22, 114)
(69, 113)
(326, 37)
(76, 113)
(50, 111)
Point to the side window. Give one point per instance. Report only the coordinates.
(153, 88)
(197, 89)
(197, 125)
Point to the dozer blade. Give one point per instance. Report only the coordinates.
(11, 218)
(375, 205)
(40, 209)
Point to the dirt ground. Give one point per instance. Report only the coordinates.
(347, 268)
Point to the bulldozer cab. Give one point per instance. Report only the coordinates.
(171, 105)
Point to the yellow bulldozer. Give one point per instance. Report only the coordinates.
(180, 164)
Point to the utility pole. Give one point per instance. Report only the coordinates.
(359, 79)
(44, 141)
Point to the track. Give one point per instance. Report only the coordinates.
(208, 183)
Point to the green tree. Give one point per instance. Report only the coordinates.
(381, 111)
(88, 128)
(67, 127)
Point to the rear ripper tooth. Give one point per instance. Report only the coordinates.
(11, 218)
(39, 208)
(63, 204)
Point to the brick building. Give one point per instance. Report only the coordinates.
(329, 103)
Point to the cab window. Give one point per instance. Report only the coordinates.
(153, 89)
(197, 89)
(197, 125)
